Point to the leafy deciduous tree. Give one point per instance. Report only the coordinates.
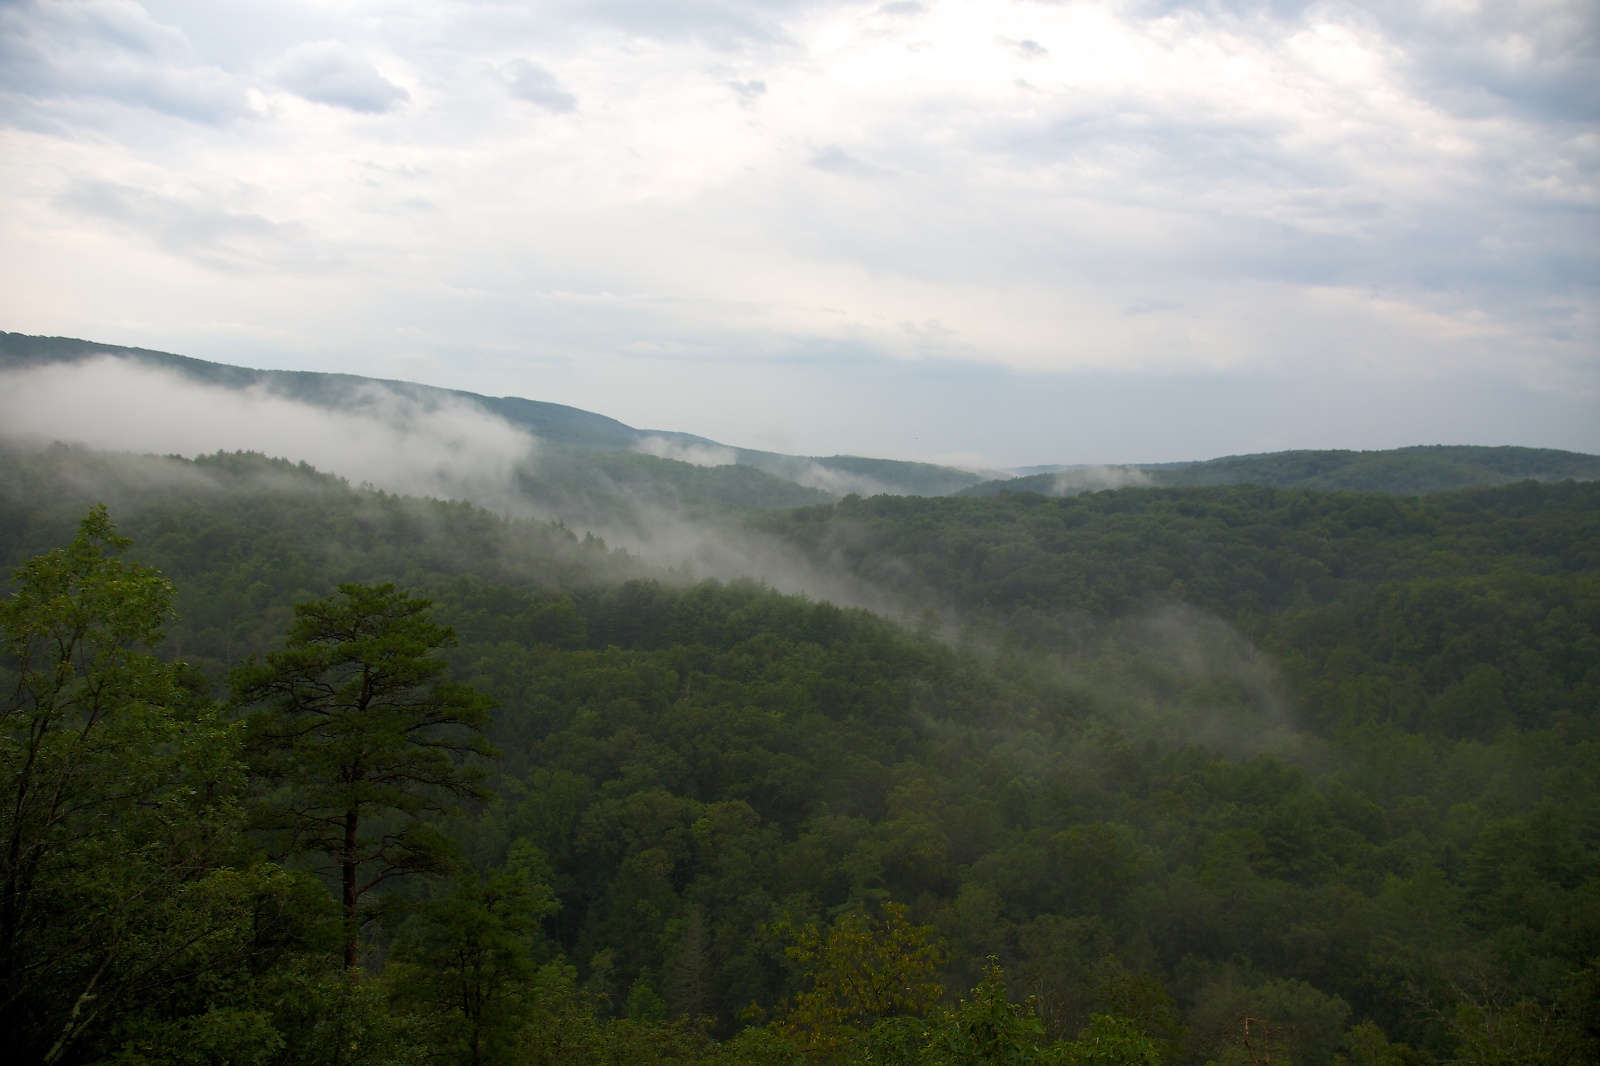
(119, 802)
(863, 969)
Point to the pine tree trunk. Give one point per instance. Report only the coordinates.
(352, 952)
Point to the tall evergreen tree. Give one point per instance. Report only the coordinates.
(689, 968)
(357, 732)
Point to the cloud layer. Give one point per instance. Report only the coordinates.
(631, 206)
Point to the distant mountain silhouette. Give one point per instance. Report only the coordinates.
(1408, 471)
(583, 470)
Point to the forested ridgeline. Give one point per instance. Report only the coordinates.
(591, 467)
(1402, 471)
(1205, 772)
(595, 470)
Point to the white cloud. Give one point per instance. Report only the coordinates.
(65, 63)
(1077, 479)
(839, 482)
(207, 233)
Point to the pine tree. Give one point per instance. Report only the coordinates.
(357, 733)
(689, 968)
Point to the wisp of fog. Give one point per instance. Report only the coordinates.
(692, 452)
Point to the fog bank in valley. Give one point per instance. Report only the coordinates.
(1177, 673)
(392, 441)
(380, 437)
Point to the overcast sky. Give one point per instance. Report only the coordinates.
(988, 232)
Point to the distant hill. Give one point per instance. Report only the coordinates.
(806, 479)
(1409, 471)
(553, 422)
(842, 474)
(597, 469)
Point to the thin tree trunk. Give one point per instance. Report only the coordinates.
(74, 1027)
(352, 953)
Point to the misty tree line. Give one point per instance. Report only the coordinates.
(715, 807)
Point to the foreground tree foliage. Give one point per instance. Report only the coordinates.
(119, 834)
(1205, 771)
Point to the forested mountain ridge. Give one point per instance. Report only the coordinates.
(1327, 761)
(580, 440)
(1405, 471)
(595, 470)
(1402, 471)
(554, 422)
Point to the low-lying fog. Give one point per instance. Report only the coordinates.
(1184, 676)
(391, 441)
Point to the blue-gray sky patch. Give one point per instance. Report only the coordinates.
(531, 82)
(328, 72)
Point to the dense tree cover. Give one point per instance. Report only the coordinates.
(1190, 766)
(1408, 595)
(118, 819)
(1403, 471)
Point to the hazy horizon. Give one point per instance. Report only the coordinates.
(107, 402)
(989, 235)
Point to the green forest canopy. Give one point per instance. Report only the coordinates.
(1174, 758)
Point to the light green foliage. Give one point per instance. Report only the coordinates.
(983, 1028)
(757, 1047)
(239, 1037)
(1524, 1033)
(987, 1028)
(645, 1003)
(1112, 1041)
(357, 731)
(1290, 1020)
(329, 1020)
(566, 1029)
(861, 970)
